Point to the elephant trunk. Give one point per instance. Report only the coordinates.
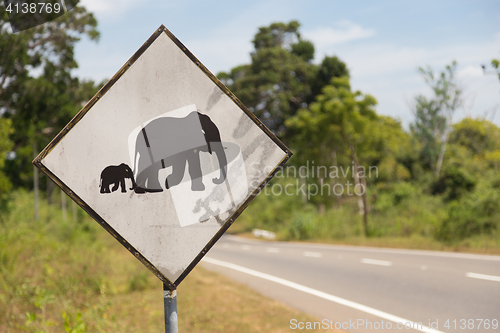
(221, 156)
(130, 174)
(134, 185)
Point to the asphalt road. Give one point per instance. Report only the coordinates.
(361, 289)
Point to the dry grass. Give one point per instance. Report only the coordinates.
(207, 302)
(71, 276)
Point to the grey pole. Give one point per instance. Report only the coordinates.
(170, 302)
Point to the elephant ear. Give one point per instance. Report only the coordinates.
(208, 142)
(210, 130)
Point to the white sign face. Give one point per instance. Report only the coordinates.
(164, 157)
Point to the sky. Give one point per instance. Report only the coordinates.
(382, 42)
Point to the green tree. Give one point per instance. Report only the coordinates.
(338, 124)
(281, 77)
(477, 135)
(434, 116)
(330, 67)
(474, 150)
(5, 147)
(496, 64)
(52, 42)
(39, 106)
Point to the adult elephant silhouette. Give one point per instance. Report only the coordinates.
(168, 141)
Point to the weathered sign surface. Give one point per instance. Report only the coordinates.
(164, 157)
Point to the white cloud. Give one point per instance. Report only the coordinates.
(470, 72)
(328, 36)
(110, 7)
(389, 72)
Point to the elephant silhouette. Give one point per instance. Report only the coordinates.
(168, 141)
(116, 174)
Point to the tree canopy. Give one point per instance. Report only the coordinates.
(433, 116)
(449, 168)
(38, 93)
(281, 78)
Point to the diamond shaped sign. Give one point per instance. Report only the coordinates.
(164, 157)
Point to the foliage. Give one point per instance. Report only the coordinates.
(496, 64)
(454, 181)
(302, 226)
(272, 210)
(5, 147)
(330, 67)
(397, 212)
(475, 214)
(51, 43)
(281, 77)
(437, 184)
(433, 117)
(340, 118)
(342, 128)
(476, 135)
(337, 119)
(35, 256)
(39, 106)
(71, 276)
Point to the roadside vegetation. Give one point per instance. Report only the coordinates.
(356, 177)
(70, 275)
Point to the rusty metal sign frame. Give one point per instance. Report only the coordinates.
(38, 160)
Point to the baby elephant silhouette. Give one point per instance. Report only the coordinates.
(116, 174)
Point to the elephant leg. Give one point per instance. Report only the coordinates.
(178, 168)
(115, 186)
(141, 183)
(195, 171)
(105, 187)
(122, 185)
(147, 180)
(153, 185)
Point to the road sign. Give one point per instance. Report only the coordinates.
(164, 157)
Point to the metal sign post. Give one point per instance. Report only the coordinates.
(170, 304)
(165, 158)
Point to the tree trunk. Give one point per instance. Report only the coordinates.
(362, 183)
(321, 205)
(50, 190)
(73, 206)
(35, 179)
(441, 155)
(63, 205)
(332, 180)
(357, 182)
(302, 184)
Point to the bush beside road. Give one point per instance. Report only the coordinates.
(70, 275)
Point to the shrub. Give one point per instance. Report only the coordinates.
(478, 213)
(302, 226)
(453, 182)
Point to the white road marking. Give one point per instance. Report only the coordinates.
(376, 262)
(483, 276)
(273, 250)
(312, 254)
(246, 247)
(315, 292)
(374, 250)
